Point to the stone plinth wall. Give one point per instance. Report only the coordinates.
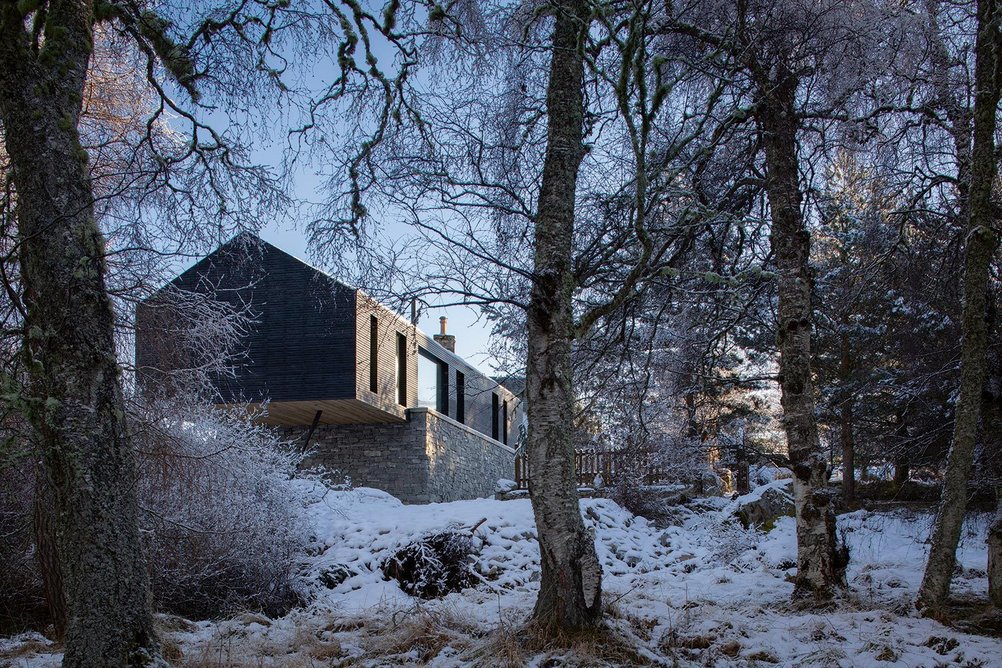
(430, 458)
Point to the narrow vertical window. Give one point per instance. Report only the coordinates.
(443, 388)
(401, 369)
(460, 396)
(495, 432)
(504, 422)
(373, 354)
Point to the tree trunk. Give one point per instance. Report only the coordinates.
(848, 453)
(570, 592)
(693, 435)
(76, 404)
(743, 482)
(991, 465)
(902, 471)
(742, 463)
(978, 252)
(47, 556)
(901, 454)
(995, 553)
(820, 567)
(845, 423)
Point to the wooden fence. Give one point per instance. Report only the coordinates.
(611, 465)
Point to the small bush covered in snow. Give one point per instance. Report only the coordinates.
(222, 522)
(655, 504)
(434, 565)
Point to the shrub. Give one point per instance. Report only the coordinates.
(222, 520)
(435, 565)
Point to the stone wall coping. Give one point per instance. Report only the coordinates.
(456, 423)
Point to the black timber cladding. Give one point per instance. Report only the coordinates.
(302, 344)
(315, 339)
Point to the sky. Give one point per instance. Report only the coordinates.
(471, 331)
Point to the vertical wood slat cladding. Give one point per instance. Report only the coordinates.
(479, 389)
(387, 326)
(302, 345)
(313, 341)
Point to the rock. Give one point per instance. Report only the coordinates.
(730, 648)
(763, 475)
(504, 486)
(712, 484)
(765, 505)
(335, 574)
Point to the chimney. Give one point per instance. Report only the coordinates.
(447, 341)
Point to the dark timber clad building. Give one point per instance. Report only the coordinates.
(375, 396)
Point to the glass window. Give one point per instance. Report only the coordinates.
(433, 382)
(504, 422)
(460, 396)
(495, 425)
(401, 369)
(373, 354)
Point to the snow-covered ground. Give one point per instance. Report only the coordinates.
(704, 593)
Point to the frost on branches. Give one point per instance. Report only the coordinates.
(222, 519)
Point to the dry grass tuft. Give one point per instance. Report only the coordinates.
(30, 647)
(969, 614)
(171, 651)
(414, 636)
(611, 644)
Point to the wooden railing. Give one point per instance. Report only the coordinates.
(611, 465)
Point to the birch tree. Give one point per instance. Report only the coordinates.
(980, 244)
(540, 189)
(792, 67)
(819, 567)
(570, 593)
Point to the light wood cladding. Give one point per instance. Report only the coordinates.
(334, 411)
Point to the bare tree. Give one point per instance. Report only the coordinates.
(775, 49)
(80, 232)
(981, 241)
(75, 403)
(568, 121)
(819, 569)
(570, 594)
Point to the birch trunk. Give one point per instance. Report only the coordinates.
(980, 247)
(992, 430)
(76, 404)
(820, 567)
(570, 592)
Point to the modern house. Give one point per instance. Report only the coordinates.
(365, 390)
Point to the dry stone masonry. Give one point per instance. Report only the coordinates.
(430, 458)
